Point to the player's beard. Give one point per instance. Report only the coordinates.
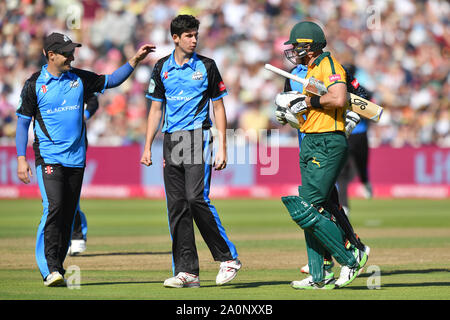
(303, 60)
(66, 65)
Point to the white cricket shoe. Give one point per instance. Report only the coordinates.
(306, 284)
(183, 280)
(54, 279)
(367, 251)
(77, 247)
(228, 271)
(348, 274)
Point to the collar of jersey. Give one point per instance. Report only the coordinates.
(173, 65)
(320, 58)
(48, 76)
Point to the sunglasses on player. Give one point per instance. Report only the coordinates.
(65, 54)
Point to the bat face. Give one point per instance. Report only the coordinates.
(358, 103)
(364, 107)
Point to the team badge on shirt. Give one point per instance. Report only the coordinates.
(355, 83)
(222, 86)
(74, 84)
(166, 75)
(334, 77)
(48, 170)
(151, 86)
(197, 75)
(44, 88)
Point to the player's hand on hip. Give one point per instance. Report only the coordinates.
(146, 158)
(220, 162)
(23, 170)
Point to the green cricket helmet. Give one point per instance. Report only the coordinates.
(305, 36)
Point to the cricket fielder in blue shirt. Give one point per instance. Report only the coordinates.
(54, 98)
(185, 82)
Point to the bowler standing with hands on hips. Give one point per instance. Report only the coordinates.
(54, 98)
(185, 82)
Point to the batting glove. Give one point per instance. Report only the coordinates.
(298, 106)
(283, 99)
(293, 119)
(280, 115)
(351, 120)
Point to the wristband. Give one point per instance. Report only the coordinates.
(315, 102)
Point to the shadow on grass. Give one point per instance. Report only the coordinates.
(401, 285)
(226, 286)
(88, 255)
(258, 284)
(254, 284)
(116, 282)
(397, 272)
(405, 284)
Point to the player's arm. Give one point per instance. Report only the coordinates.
(153, 120)
(25, 113)
(336, 97)
(141, 54)
(91, 107)
(23, 168)
(121, 74)
(220, 161)
(98, 83)
(156, 93)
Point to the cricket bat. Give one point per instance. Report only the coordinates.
(361, 106)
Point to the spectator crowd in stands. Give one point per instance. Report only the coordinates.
(401, 50)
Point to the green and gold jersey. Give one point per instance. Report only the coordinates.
(326, 69)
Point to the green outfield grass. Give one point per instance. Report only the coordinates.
(128, 254)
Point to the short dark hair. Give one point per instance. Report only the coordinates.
(183, 23)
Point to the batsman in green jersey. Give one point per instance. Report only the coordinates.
(323, 153)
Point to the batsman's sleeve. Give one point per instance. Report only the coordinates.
(156, 90)
(216, 87)
(332, 72)
(28, 100)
